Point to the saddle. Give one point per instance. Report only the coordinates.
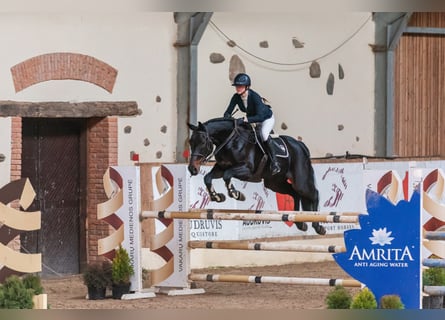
(279, 147)
(254, 136)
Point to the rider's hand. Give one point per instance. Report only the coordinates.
(245, 119)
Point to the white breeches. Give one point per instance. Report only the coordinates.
(266, 127)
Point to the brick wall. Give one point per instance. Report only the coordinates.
(63, 65)
(101, 153)
(16, 148)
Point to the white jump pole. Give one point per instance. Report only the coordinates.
(265, 246)
(211, 215)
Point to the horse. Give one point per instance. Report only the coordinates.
(238, 153)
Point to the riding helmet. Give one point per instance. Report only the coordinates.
(241, 79)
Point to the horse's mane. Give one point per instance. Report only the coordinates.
(220, 119)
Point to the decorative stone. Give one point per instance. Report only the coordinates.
(158, 99)
(127, 129)
(264, 44)
(146, 142)
(159, 155)
(314, 70)
(340, 127)
(131, 155)
(341, 73)
(300, 138)
(330, 84)
(357, 139)
(235, 66)
(164, 129)
(139, 111)
(283, 126)
(2, 157)
(297, 44)
(329, 155)
(216, 57)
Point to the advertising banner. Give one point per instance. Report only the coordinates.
(121, 211)
(384, 253)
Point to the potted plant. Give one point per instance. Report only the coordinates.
(121, 271)
(39, 299)
(391, 301)
(97, 278)
(431, 277)
(365, 299)
(339, 298)
(15, 295)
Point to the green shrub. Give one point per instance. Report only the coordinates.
(391, 301)
(96, 276)
(365, 299)
(433, 276)
(32, 281)
(121, 267)
(14, 294)
(338, 298)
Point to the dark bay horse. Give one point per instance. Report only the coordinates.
(238, 154)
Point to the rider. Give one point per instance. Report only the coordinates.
(252, 104)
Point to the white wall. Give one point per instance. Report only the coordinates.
(138, 45)
(5, 148)
(299, 101)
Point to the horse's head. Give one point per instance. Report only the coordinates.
(201, 147)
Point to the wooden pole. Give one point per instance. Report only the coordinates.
(277, 280)
(251, 216)
(265, 246)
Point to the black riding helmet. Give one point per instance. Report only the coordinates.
(241, 79)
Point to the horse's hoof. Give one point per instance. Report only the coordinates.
(319, 229)
(218, 197)
(237, 195)
(301, 225)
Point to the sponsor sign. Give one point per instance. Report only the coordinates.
(384, 253)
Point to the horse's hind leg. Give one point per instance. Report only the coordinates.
(300, 225)
(286, 188)
(311, 204)
(307, 193)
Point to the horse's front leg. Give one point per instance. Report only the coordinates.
(241, 172)
(215, 173)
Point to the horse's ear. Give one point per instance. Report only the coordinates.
(192, 127)
(201, 126)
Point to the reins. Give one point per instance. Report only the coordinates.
(218, 149)
(234, 132)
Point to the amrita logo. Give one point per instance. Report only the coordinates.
(381, 237)
(381, 257)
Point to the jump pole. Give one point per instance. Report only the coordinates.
(276, 280)
(215, 215)
(264, 246)
(294, 216)
(324, 213)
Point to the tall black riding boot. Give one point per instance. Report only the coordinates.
(274, 166)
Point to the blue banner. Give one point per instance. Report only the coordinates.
(384, 254)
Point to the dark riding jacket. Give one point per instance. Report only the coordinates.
(256, 110)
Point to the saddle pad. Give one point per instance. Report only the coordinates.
(280, 147)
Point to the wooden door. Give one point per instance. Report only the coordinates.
(52, 158)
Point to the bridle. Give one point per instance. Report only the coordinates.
(209, 145)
